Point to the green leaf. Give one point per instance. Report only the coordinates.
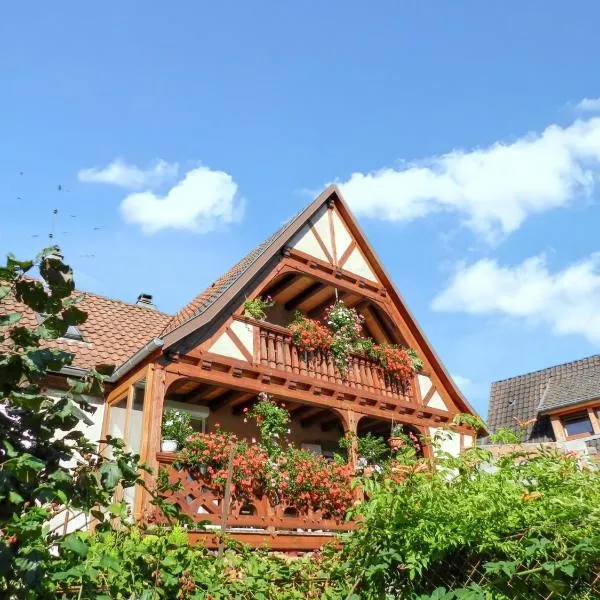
(10, 319)
(15, 498)
(110, 475)
(74, 316)
(118, 509)
(53, 327)
(32, 293)
(4, 291)
(76, 544)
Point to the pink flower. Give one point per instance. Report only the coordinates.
(217, 425)
(254, 440)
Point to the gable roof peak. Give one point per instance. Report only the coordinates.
(251, 263)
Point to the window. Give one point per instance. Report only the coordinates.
(578, 425)
(125, 421)
(72, 333)
(197, 413)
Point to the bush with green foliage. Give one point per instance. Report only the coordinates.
(508, 518)
(43, 470)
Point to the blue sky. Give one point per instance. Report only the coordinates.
(456, 130)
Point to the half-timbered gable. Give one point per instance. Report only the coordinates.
(215, 356)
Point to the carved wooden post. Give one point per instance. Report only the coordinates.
(288, 354)
(279, 360)
(295, 359)
(350, 427)
(226, 501)
(271, 349)
(263, 347)
(154, 397)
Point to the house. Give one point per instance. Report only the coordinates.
(557, 405)
(212, 360)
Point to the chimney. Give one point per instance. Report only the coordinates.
(145, 300)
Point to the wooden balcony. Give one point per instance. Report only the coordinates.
(254, 521)
(276, 351)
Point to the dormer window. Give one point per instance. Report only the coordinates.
(73, 332)
(578, 425)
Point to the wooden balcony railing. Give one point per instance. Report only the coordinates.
(276, 351)
(252, 516)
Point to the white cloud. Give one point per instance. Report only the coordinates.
(589, 105)
(567, 300)
(462, 382)
(493, 189)
(121, 174)
(202, 201)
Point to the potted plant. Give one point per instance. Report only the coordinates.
(176, 428)
(255, 308)
(397, 437)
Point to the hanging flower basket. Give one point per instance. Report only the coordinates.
(396, 442)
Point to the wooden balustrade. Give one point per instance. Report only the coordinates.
(203, 504)
(276, 351)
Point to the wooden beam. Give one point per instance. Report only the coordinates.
(281, 284)
(318, 310)
(374, 326)
(247, 397)
(224, 398)
(310, 292)
(393, 335)
(298, 283)
(303, 409)
(203, 392)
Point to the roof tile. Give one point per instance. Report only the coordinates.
(112, 333)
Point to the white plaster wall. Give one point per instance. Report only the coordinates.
(342, 237)
(225, 346)
(357, 264)
(424, 384)
(245, 333)
(321, 225)
(449, 441)
(436, 401)
(305, 241)
(467, 441)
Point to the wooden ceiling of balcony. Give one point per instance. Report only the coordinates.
(374, 426)
(216, 398)
(311, 297)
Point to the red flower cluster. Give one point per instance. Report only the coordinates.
(312, 482)
(396, 361)
(309, 334)
(207, 456)
(298, 478)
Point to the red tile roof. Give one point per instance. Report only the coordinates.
(113, 332)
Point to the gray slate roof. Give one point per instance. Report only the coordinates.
(571, 390)
(518, 399)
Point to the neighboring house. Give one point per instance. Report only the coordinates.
(560, 404)
(212, 361)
